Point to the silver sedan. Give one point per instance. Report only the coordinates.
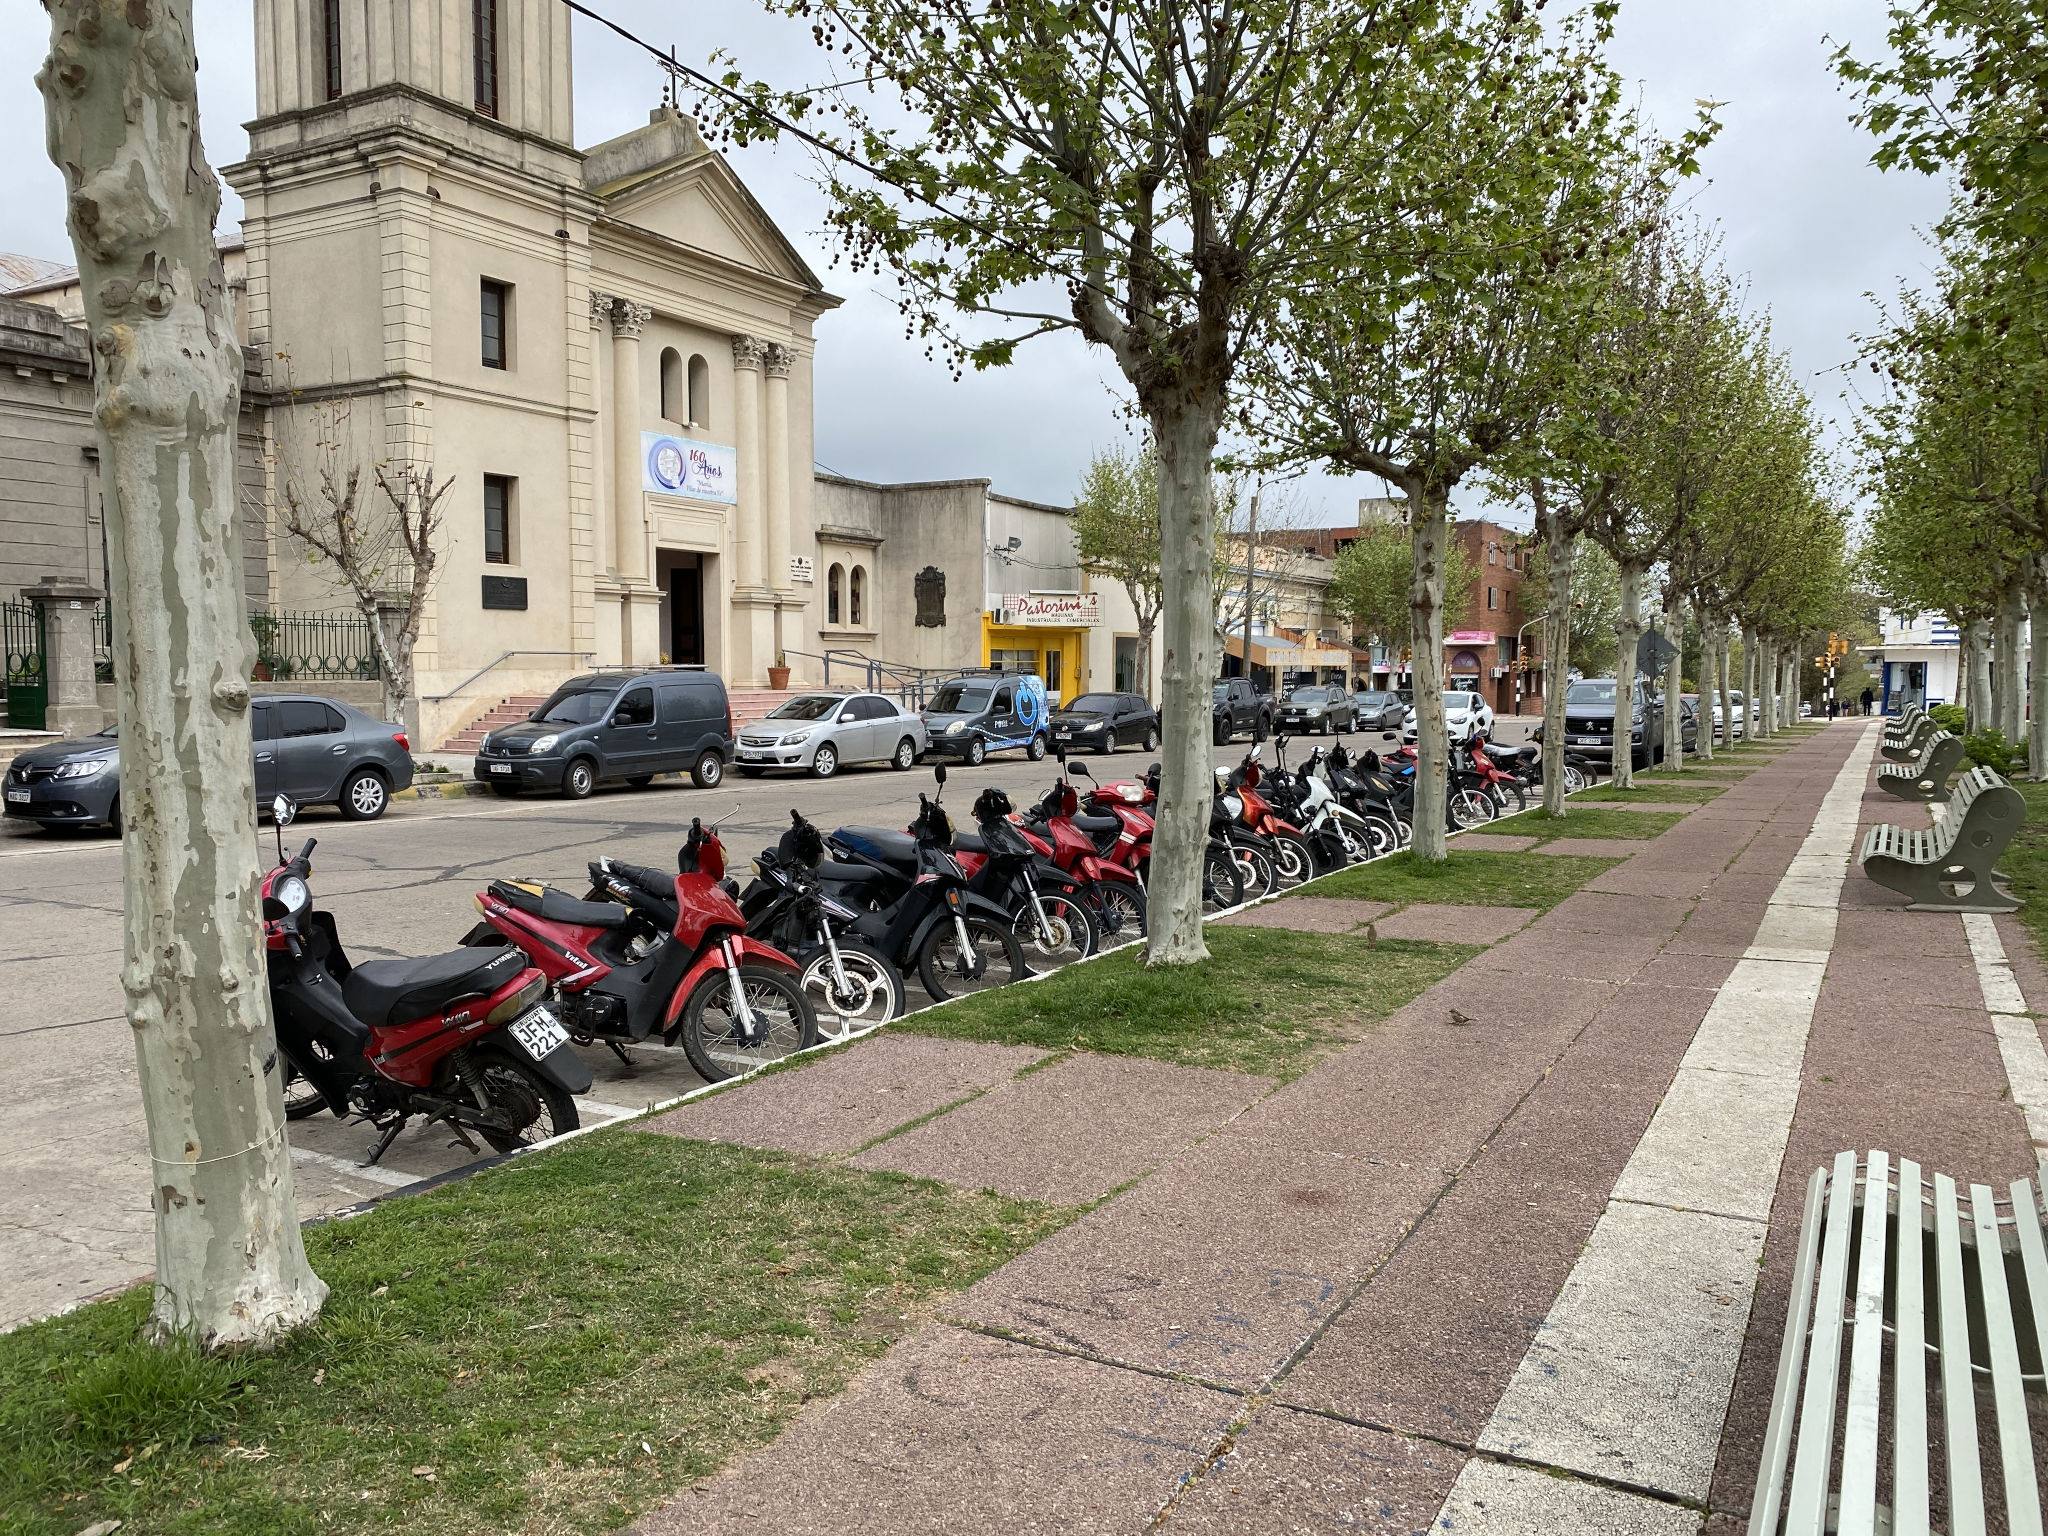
(823, 732)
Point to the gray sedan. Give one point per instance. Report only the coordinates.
(822, 732)
(312, 750)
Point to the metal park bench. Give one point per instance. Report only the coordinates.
(1919, 1283)
(1903, 740)
(1951, 867)
(1926, 776)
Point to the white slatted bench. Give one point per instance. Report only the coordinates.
(1926, 776)
(1902, 743)
(1943, 1331)
(1953, 866)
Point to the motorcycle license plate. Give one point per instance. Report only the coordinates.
(501, 767)
(17, 797)
(539, 1032)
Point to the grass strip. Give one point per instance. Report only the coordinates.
(1590, 821)
(2026, 861)
(1267, 1001)
(1655, 792)
(1468, 877)
(554, 1345)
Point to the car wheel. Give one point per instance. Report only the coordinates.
(710, 770)
(1036, 751)
(365, 795)
(1222, 733)
(906, 755)
(825, 761)
(640, 781)
(977, 752)
(579, 779)
(1262, 728)
(1151, 738)
(504, 791)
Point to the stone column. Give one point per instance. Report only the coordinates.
(603, 559)
(629, 530)
(746, 429)
(776, 462)
(68, 608)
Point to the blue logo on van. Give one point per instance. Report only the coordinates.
(1031, 711)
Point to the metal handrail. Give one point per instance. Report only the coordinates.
(437, 698)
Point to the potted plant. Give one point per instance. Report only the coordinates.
(778, 675)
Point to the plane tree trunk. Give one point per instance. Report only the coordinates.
(1561, 552)
(123, 127)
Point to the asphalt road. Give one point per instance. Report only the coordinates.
(74, 1213)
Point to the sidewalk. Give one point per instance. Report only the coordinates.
(1495, 1267)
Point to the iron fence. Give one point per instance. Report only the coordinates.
(28, 674)
(102, 643)
(314, 645)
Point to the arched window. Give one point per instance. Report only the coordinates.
(857, 592)
(700, 391)
(834, 579)
(674, 401)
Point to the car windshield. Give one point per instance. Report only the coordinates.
(1093, 704)
(1308, 696)
(1465, 701)
(811, 706)
(1221, 691)
(572, 705)
(960, 698)
(1591, 693)
(1375, 699)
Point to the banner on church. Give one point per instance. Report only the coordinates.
(677, 466)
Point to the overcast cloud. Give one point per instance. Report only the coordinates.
(1809, 223)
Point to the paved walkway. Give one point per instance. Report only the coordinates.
(1515, 1263)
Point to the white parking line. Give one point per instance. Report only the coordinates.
(1629, 1377)
(2019, 1038)
(369, 1173)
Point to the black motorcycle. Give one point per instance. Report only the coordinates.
(1051, 922)
(916, 908)
(851, 985)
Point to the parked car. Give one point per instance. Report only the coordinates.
(1102, 722)
(1320, 708)
(823, 732)
(314, 751)
(1689, 721)
(1464, 713)
(1237, 706)
(1589, 721)
(1740, 708)
(1378, 710)
(630, 724)
(977, 713)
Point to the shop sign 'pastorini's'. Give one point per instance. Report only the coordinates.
(1067, 610)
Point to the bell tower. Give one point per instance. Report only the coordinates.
(503, 60)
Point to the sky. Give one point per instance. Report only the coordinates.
(1811, 227)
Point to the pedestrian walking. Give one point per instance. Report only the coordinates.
(1834, 709)
(1869, 699)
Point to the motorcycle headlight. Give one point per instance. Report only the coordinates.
(545, 744)
(292, 895)
(85, 768)
(956, 727)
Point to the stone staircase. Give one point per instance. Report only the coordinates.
(748, 705)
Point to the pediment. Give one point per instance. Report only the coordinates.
(698, 202)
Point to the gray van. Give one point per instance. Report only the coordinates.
(627, 724)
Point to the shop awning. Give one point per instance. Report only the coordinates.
(1278, 651)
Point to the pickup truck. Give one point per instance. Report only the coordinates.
(1236, 706)
(1589, 721)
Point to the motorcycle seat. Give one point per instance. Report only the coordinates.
(876, 843)
(386, 992)
(1502, 754)
(969, 842)
(1094, 824)
(551, 905)
(844, 874)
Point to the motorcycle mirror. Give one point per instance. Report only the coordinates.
(939, 774)
(1060, 756)
(1081, 769)
(281, 813)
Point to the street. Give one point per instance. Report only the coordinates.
(75, 1218)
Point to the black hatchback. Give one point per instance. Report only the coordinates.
(629, 724)
(1102, 722)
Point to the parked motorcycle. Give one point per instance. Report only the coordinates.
(851, 985)
(1336, 835)
(1249, 811)
(916, 908)
(733, 1002)
(1129, 843)
(1113, 893)
(461, 1039)
(1014, 870)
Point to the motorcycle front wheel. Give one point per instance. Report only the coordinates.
(1260, 877)
(1470, 808)
(720, 1046)
(992, 958)
(1222, 881)
(1066, 934)
(1507, 790)
(872, 991)
(1293, 863)
(538, 1107)
(1119, 911)
(1574, 778)
(301, 1098)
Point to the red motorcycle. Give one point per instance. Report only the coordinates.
(1293, 862)
(1114, 894)
(663, 956)
(1128, 844)
(461, 1038)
